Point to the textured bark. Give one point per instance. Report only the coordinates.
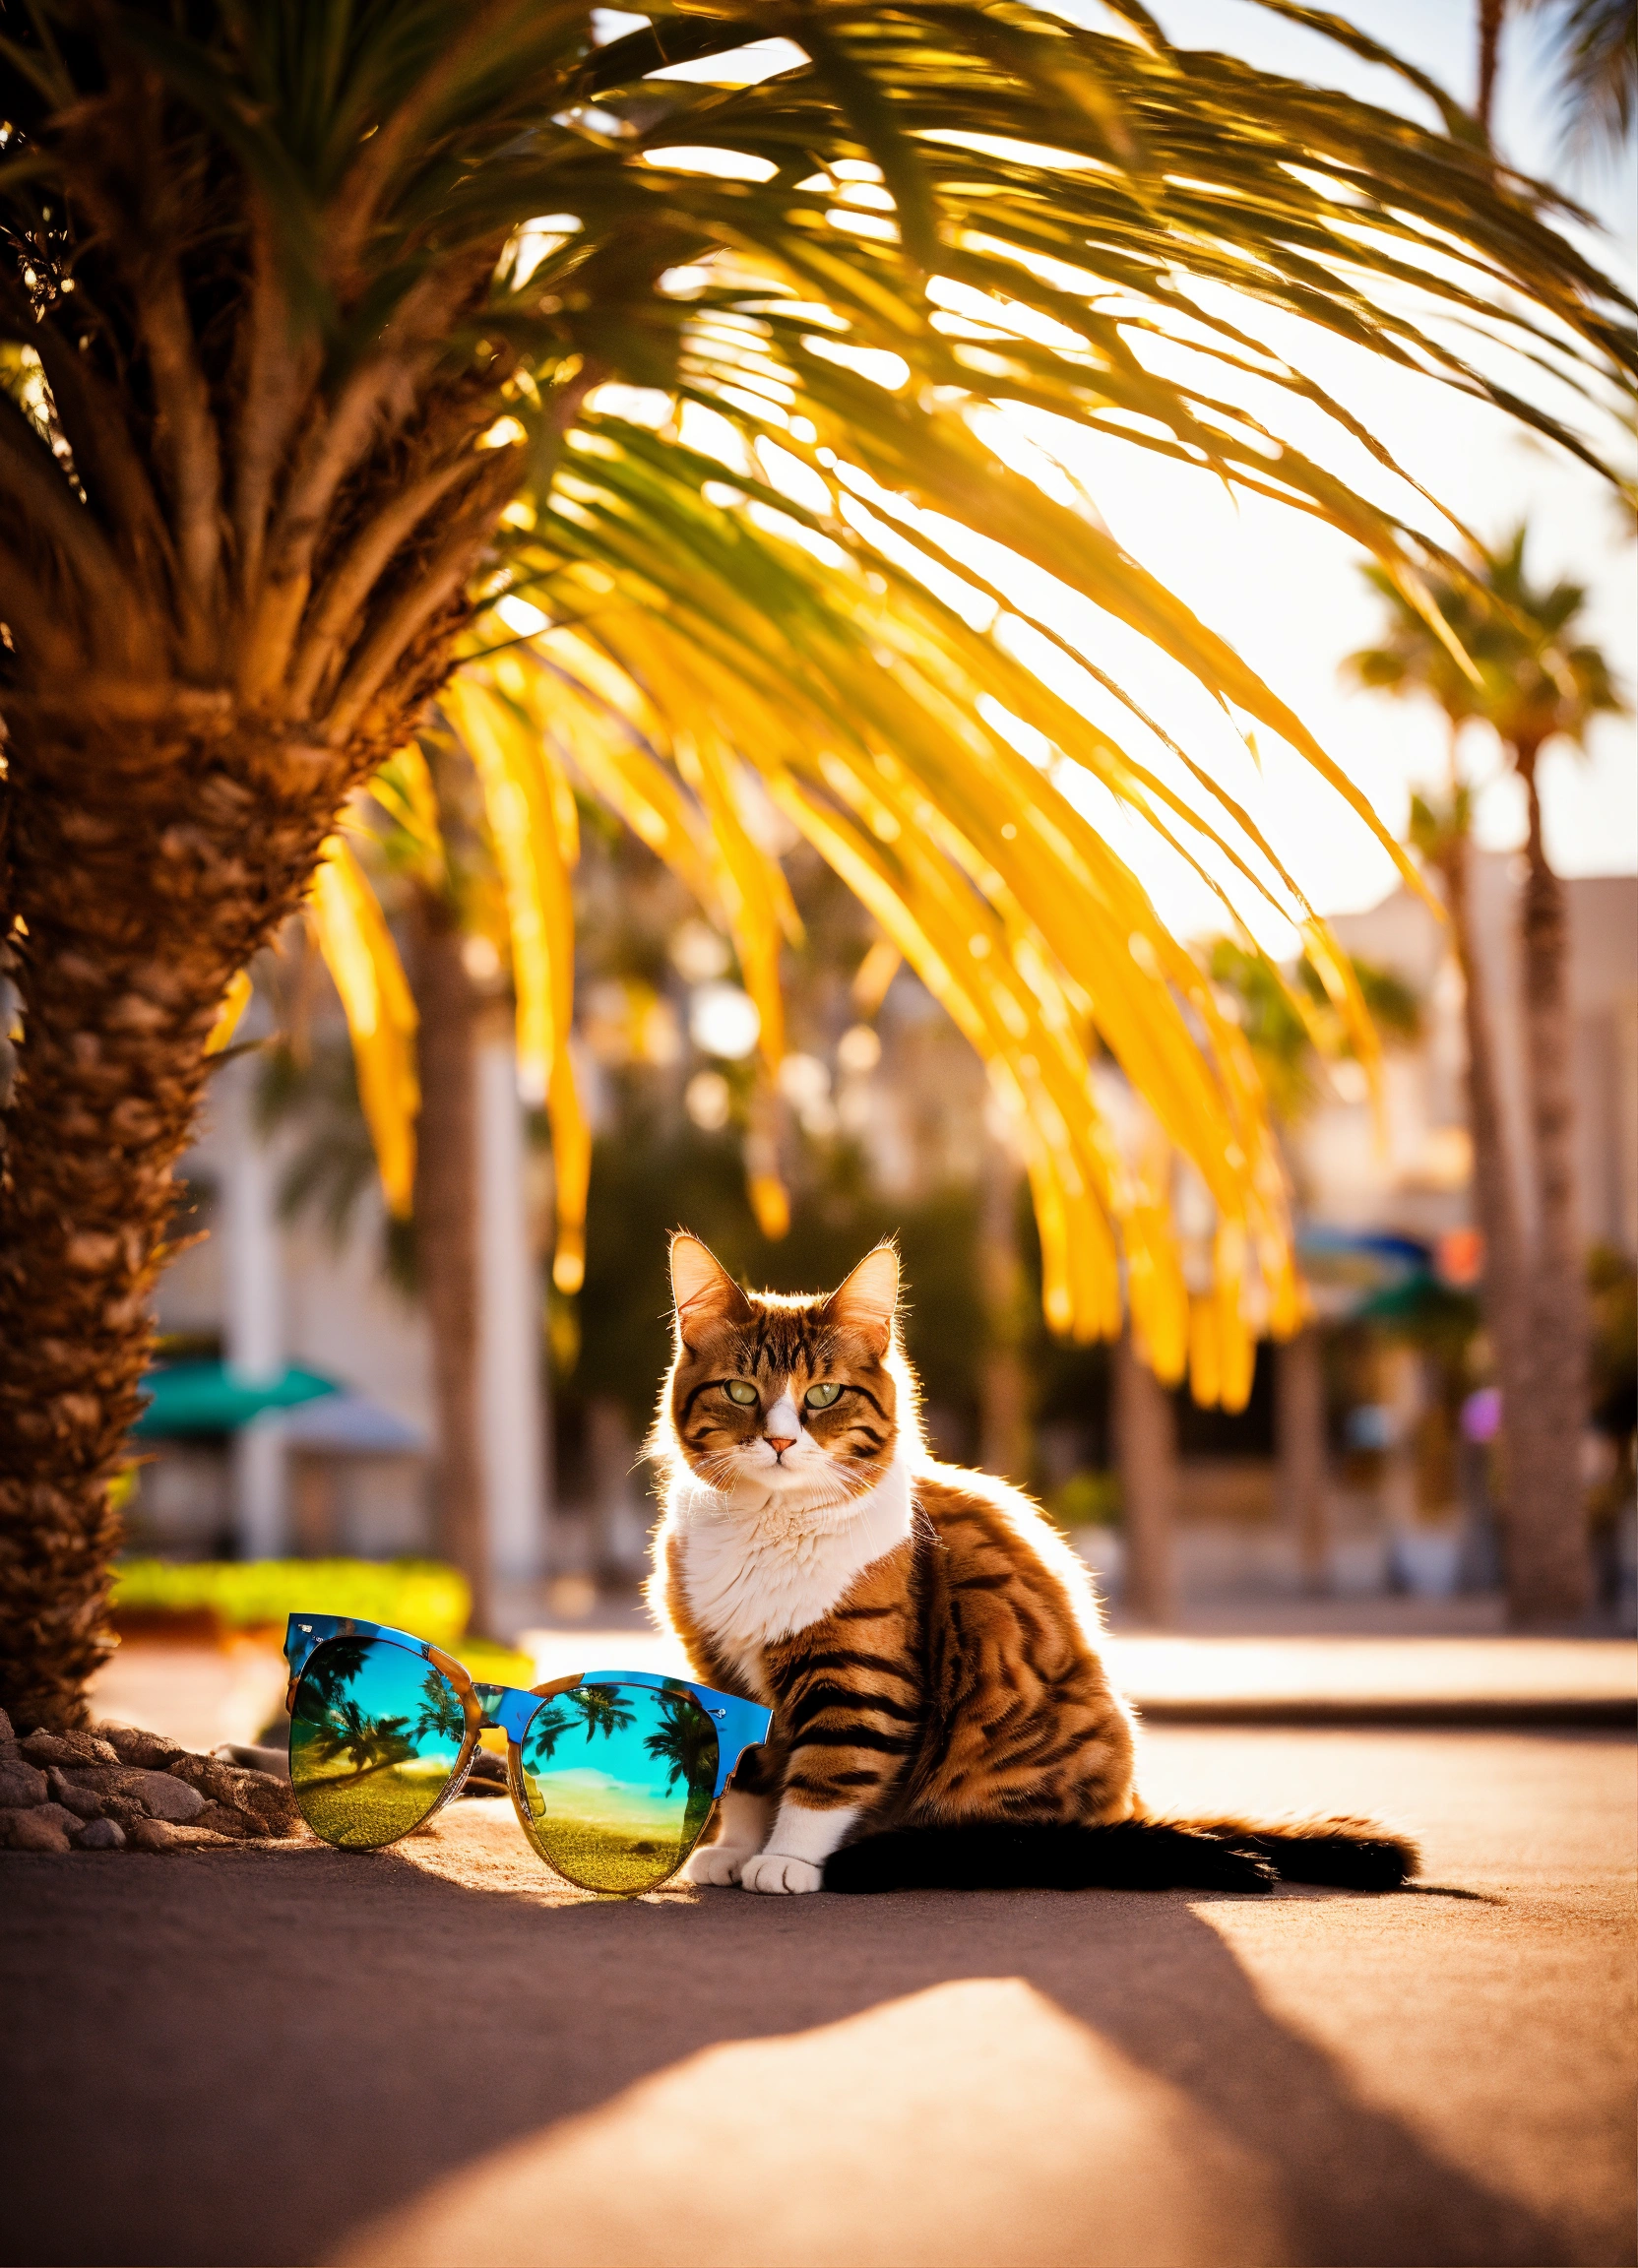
(1504, 1288)
(1300, 1421)
(1548, 1569)
(1490, 15)
(1146, 1446)
(147, 863)
(446, 1233)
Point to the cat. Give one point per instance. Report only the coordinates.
(930, 1645)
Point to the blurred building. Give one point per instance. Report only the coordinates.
(293, 1406)
(1417, 1182)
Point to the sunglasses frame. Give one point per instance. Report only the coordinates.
(738, 1724)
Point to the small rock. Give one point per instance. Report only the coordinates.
(101, 1835)
(167, 1799)
(67, 1748)
(149, 1835)
(59, 1815)
(19, 1784)
(124, 1811)
(217, 1782)
(221, 1820)
(32, 1830)
(159, 1792)
(273, 1802)
(85, 1802)
(265, 1803)
(8, 1739)
(150, 1751)
(274, 1762)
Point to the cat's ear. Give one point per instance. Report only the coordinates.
(866, 1302)
(702, 1289)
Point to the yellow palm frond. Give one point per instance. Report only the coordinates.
(530, 809)
(359, 952)
(864, 706)
(234, 1001)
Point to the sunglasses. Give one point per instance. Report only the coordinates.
(613, 1774)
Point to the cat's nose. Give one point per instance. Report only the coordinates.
(780, 1442)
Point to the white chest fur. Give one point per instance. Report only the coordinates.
(754, 1577)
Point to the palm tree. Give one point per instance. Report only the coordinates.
(686, 1740)
(1291, 1031)
(440, 1710)
(1534, 685)
(1594, 44)
(603, 1710)
(298, 302)
(546, 1728)
(371, 1743)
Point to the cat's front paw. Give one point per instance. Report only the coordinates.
(717, 1864)
(773, 1871)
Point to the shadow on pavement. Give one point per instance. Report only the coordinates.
(264, 2052)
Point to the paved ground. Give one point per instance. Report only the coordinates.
(201, 1695)
(432, 2055)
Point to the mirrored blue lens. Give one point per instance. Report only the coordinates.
(619, 1781)
(376, 1733)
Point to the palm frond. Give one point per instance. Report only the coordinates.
(309, 310)
(362, 960)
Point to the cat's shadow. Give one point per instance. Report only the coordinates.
(374, 2028)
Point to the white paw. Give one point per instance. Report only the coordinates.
(718, 1863)
(772, 1872)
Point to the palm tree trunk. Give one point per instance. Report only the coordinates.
(1299, 1425)
(1146, 1446)
(1505, 1290)
(447, 1236)
(1549, 1573)
(147, 866)
(1491, 14)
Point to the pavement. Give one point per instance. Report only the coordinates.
(438, 2055)
(1338, 1663)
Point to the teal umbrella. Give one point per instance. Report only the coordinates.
(208, 1398)
(1420, 1306)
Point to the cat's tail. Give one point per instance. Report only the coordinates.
(1133, 1855)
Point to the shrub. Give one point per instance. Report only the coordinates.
(1088, 1500)
(422, 1596)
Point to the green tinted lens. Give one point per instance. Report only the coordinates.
(375, 1740)
(619, 1782)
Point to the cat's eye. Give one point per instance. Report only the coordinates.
(821, 1397)
(740, 1390)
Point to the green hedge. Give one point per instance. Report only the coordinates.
(420, 1595)
(1088, 1500)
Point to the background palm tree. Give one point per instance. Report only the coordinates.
(603, 1710)
(1595, 46)
(1535, 683)
(686, 1740)
(299, 301)
(1293, 1032)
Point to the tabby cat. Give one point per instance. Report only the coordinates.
(929, 1646)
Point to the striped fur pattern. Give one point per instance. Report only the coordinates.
(929, 1646)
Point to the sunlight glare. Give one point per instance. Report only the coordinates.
(744, 66)
(727, 164)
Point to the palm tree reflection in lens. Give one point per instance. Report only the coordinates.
(619, 1782)
(375, 1739)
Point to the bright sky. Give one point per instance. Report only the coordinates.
(1289, 595)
